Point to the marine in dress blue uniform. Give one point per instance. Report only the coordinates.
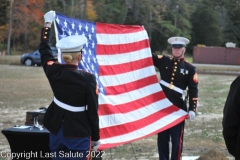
(177, 75)
(72, 117)
(231, 119)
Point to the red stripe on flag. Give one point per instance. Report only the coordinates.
(127, 87)
(173, 123)
(125, 67)
(117, 29)
(121, 48)
(138, 124)
(108, 109)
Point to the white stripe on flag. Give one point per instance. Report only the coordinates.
(111, 39)
(117, 119)
(127, 77)
(114, 59)
(145, 130)
(125, 97)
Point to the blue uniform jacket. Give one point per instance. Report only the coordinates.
(73, 87)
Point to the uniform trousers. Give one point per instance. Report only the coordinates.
(163, 140)
(63, 148)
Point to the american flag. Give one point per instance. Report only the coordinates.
(132, 105)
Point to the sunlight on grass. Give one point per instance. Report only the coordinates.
(189, 58)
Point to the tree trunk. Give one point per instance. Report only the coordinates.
(126, 11)
(85, 10)
(72, 8)
(25, 28)
(150, 27)
(64, 6)
(10, 28)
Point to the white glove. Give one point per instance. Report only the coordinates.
(49, 16)
(95, 145)
(191, 115)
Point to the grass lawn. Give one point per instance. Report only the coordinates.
(26, 88)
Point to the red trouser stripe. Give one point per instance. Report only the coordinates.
(180, 144)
